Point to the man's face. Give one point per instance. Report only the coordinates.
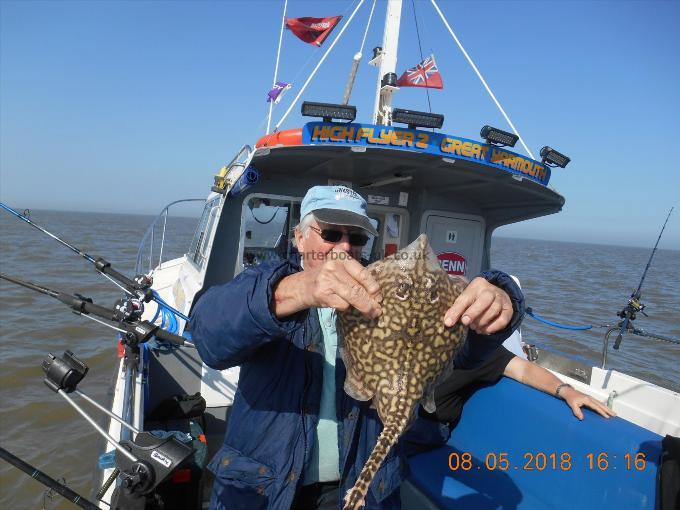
(314, 249)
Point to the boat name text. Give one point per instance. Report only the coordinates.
(423, 141)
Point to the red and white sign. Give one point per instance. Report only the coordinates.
(452, 262)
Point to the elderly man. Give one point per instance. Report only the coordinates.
(295, 439)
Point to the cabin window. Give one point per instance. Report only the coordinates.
(199, 244)
(268, 221)
(392, 226)
(267, 225)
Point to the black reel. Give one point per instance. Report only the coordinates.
(128, 309)
(633, 307)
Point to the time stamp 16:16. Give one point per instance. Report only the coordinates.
(540, 461)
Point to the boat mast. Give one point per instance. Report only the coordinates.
(387, 62)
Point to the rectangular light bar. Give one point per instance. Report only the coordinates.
(416, 119)
(498, 136)
(553, 158)
(329, 111)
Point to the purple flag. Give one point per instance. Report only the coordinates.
(276, 93)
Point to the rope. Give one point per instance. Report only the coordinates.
(420, 48)
(479, 75)
(276, 67)
(642, 332)
(325, 55)
(533, 314)
(292, 81)
(368, 24)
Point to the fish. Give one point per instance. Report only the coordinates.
(397, 360)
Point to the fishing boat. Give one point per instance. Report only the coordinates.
(417, 177)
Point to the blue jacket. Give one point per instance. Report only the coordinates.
(269, 438)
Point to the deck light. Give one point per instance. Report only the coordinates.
(328, 111)
(416, 119)
(498, 136)
(553, 158)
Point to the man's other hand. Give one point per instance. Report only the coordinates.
(482, 307)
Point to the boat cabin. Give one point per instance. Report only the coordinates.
(457, 199)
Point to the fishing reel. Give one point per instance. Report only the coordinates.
(633, 307)
(143, 281)
(128, 309)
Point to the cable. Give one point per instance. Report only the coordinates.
(269, 220)
(479, 75)
(420, 48)
(313, 73)
(533, 314)
(368, 24)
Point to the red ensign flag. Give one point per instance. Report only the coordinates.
(425, 74)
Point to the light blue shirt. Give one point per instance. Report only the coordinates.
(325, 461)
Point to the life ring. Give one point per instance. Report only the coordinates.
(286, 138)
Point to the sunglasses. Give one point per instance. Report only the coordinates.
(335, 236)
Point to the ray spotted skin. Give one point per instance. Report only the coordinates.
(397, 359)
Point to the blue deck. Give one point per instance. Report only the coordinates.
(523, 423)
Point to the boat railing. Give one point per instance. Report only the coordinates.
(155, 238)
(243, 156)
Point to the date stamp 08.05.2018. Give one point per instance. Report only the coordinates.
(545, 461)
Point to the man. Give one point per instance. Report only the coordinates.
(295, 439)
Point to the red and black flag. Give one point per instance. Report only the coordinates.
(312, 30)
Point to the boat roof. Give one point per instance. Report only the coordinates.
(496, 182)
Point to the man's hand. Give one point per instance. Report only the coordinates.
(339, 282)
(482, 307)
(576, 400)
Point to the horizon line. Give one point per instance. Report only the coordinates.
(495, 236)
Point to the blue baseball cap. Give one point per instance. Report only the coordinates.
(337, 205)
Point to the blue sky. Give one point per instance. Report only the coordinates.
(125, 106)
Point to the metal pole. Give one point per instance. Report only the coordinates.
(151, 250)
(350, 80)
(388, 62)
(106, 411)
(276, 67)
(97, 427)
(165, 223)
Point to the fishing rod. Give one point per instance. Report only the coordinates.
(126, 313)
(139, 286)
(634, 305)
(47, 480)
